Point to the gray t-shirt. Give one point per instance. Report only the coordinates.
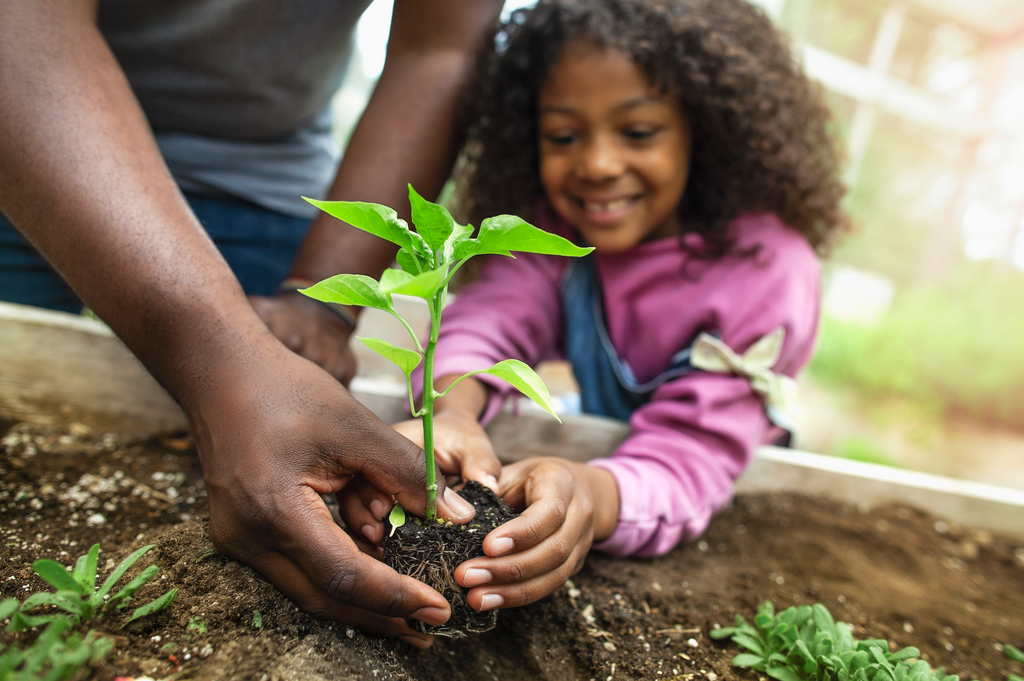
(238, 91)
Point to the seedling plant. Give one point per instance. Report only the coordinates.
(428, 258)
(57, 653)
(804, 643)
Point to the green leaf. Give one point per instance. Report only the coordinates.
(411, 263)
(505, 233)
(85, 569)
(782, 674)
(1012, 677)
(433, 221)
(101, 648)
(1013, 652)
(748, 660)
(20, 621)
(154, 606)
(119, 572)
(407, 360)
(525, 380)
(749, 642)
(377, 220)
(396, 518)
(7, 608)
(905, 654)
(823, 619)
(460, 234)
(350, 289)
(134, 585)
(424, 285)
(724, 632)
(257, 619)
(70, 602)
(57, 575)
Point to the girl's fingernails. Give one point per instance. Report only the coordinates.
(459, 506)
(491, 482)
(476, 577)
(501, 546)
(491, 601)
(377, 509)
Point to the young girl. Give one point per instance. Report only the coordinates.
(681, 140)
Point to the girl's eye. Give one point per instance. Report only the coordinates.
(639, 134)
(560, 139)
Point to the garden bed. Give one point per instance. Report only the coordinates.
(891, 570)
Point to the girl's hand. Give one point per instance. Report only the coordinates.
(568, 506)
(461, 446)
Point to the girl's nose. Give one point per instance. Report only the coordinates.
(599, 160)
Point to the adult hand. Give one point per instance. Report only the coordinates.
(568, 506)
(274, 433)
(309, 330)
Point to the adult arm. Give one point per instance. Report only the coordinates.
(407, 135)
(82, 178)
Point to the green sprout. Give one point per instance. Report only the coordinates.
(428, 258)
(805, 644)
(57, 652)
(78, 596)
(196, 627)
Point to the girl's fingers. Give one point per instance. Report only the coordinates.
(411, 430)
(547, 491)
(531, 590)
(541, 541)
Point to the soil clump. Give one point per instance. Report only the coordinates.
(430, 552)
(891, 571)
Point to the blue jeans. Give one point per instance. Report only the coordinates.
(258, 244)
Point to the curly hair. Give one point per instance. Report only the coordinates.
(760, 129)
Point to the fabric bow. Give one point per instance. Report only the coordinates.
(777, 391)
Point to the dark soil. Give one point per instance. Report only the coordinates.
(892, 571)
(430, 552)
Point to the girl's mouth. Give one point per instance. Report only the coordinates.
(605, 211)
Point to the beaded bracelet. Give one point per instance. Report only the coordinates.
(293, 284)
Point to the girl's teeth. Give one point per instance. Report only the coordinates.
(605, 207)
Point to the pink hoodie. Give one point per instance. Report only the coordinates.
(699, 431)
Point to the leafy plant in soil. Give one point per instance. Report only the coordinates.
(428, 258)
(57, 652)
(805, 644)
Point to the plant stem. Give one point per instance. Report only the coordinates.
(436, 305)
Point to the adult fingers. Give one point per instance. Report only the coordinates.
(393, 464)
(363, 508)
(332, 562)
(298, 588)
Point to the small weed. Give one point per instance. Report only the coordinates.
(77, 593)
(57, 653)
(1013, 653)
(805, 644)
(257, 619)
(196, 627)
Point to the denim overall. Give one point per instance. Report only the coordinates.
(608, 386)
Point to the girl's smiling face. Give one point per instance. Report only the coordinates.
(614, 149)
